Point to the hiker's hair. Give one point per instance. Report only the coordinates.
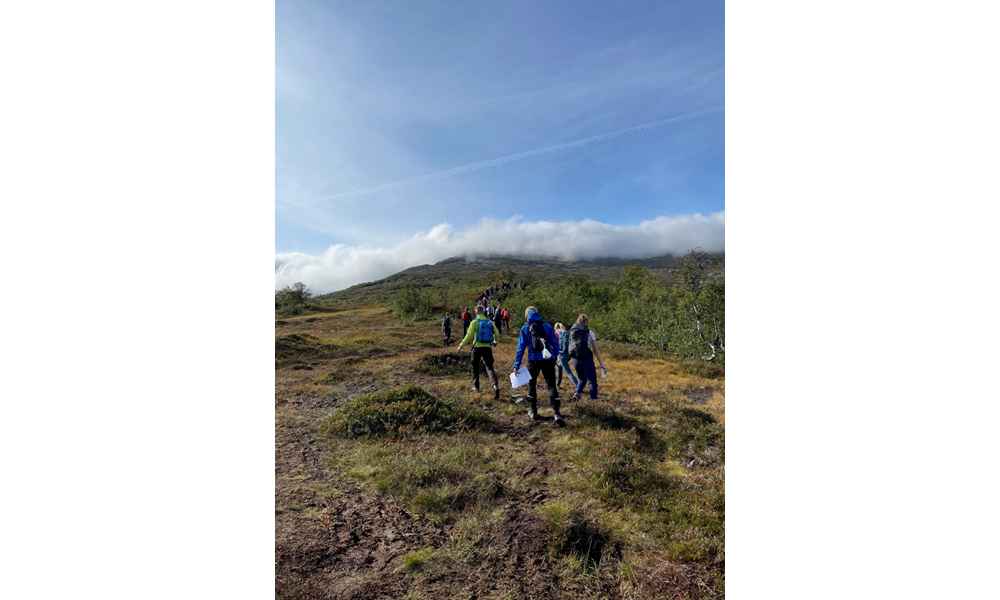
(528, 310)
(479, 309)
(447, 314)
(466, 309)
(582, 319)
(560, 327)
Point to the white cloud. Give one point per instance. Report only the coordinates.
(342, 266)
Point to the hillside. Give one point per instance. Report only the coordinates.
(394, 480)
(458, 271)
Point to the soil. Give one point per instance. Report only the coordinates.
(699, 396)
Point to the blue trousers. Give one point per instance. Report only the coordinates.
(562, 365)
(587, 373)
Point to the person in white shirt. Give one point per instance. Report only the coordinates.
(582, 349)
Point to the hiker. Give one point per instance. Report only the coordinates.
(485, 335)
(497, 319)
(466, 317)
(563, 363)
(505, 318)
(446, 327)
(540, 342)
(581, 341)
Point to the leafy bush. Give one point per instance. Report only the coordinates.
(412, 303)
(686, 320)
(290, 301)
(404, 411)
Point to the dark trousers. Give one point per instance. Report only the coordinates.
(486, 355)
(506, 323)
(587, 373)
(465, 328)
(548, 370)
(447, 335)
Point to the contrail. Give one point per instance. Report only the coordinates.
(506, 159)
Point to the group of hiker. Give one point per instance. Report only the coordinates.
(547, 351)
(483, 297)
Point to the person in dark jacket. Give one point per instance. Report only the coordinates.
(496, 319)
(446, 328)
(537, 340)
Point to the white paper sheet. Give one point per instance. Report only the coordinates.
(519, 378)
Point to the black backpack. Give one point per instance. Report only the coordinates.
(579, 342)
(538, 337)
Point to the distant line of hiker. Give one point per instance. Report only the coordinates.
(484, 296)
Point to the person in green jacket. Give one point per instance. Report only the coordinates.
(485, 334)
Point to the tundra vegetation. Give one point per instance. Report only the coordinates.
(394, 480)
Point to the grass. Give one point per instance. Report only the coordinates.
(414, 561)
(437, 478)
(624, 515)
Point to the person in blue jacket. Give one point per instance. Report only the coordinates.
(537, 340)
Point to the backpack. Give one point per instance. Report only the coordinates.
(466, 317)
(579, 342)
(564, 342)
(537, 336)
(484, 331)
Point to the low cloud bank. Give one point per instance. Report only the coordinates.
(343, 266)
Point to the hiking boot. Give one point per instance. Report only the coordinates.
(575, 397)
(559, 419)
(496, 393)
(533, 409)
(475, 390)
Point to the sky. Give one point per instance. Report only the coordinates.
(409, 132)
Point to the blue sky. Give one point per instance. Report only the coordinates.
(374, 93)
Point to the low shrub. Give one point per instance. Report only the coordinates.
(443, 365)
(700, 368)
(404, 411)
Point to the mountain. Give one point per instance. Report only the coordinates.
(471, 269)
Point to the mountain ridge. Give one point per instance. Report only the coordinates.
(467, 269)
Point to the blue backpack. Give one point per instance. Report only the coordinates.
(484, 332)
